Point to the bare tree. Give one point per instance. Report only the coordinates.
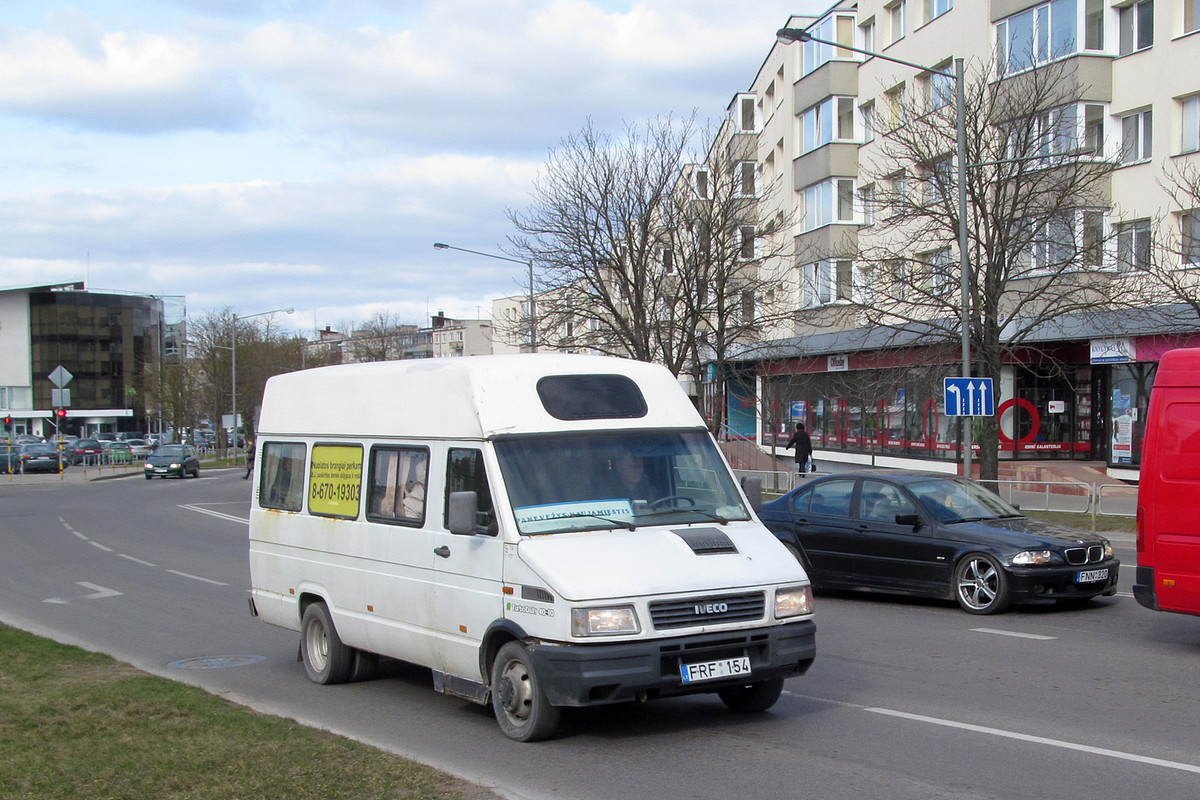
(647, 254)
(263, 350)
(593, 230)
(383, 337)
(1165, 275)
(1037, 183)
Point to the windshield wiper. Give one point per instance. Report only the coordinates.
(687, 510)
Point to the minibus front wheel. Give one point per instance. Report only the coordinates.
(521, 707)
(326, 659)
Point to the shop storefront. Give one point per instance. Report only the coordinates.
(1079, 400)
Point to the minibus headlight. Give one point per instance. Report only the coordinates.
(603, 621)
(1036, 558)
(793, 601)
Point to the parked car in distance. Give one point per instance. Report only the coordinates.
(39, 458)
(934, 535)
(105, 436)
(27, 438)
(118, 453)
(139, 447)
(82, 450)
(179, 460)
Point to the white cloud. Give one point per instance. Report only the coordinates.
(250, 158)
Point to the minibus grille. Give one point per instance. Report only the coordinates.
(1085, 555)
(687, 612)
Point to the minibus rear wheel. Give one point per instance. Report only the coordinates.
(521, 707)
(326, 659)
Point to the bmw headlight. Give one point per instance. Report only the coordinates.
(793, 601)
(603, 621)
(1037, 558)
(1108, 551)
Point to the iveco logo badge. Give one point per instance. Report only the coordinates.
(703, 609)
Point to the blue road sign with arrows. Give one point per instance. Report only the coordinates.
(969, 397)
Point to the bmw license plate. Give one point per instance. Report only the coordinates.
(712, 670)
(1091, 576)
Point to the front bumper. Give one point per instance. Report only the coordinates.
(1051, 584)
(598, 674)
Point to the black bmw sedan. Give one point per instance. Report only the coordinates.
(936, 536)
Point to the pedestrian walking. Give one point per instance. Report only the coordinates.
(249, 459)
(803, 444)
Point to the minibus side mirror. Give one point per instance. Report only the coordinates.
(462, 513)
(752, 486)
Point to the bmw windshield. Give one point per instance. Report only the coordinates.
(623, 479)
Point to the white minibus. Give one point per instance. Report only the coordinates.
(539, 530)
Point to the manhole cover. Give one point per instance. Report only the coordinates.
(216, 662)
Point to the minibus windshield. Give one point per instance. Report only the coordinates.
(617, 479)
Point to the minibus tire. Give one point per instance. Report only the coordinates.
(326, 659)
(365, 666)
(522, 710)
(752, 696)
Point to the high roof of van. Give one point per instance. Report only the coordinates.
(473, 397)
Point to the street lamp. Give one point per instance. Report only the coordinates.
(233, 368)
(529, 263)
(789, 35)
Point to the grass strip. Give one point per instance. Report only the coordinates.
(80, 725)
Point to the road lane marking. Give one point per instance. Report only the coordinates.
(1024, 737)
(998, 632)
(196, 577)
(99, 546)
(218, 514)
(137, 560)
(100, 592)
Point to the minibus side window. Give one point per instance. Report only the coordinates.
(282, 476)
(465, 473)
(396, 490)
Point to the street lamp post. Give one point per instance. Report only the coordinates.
(233, 369)
(789, 35)
(532, 313)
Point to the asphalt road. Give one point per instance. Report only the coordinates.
(907, 699)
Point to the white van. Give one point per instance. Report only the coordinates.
(539, 530)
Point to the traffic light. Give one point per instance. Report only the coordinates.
(7, 424)
(60, 416)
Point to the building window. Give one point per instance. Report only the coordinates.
(1093, 25)
(867, 111)
(747, 179)
(939, 88)
(1093, 239)
(746, 235)
(1133, 245)
(1190, 236)
(935, 8)
(668, 261)
(827, 202)
(1190, 106)
(700, 183)
(1136, 137)
(866, 35)
(1093, 128)
(1191, 16)
(826, 282)
(1036, 36)
(838, 28)
(866, 200)
(832, 119)
(1136, 25)
(896, 21)
(942, 277)
(747, 113)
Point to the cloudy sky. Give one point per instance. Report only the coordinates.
(258, 154)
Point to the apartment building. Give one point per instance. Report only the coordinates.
(823, 123)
